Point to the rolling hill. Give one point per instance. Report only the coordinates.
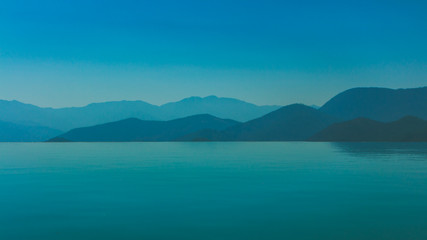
(380, 104)
(134, 130)
(295, 122)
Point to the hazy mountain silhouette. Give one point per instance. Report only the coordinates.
(229, 108)
(134, 129)
(407, 129)
(379, 104)
(66, 118)
(10, 132)
(261, 123)
(98, 113)
(290, 123)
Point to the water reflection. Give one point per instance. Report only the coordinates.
(363, 149)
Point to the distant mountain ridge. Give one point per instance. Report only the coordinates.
(138, 121)
(229, 108)
(295, 122)
(133, 129)
(407, 129)
(98, 113)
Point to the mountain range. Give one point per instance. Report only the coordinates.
(65, 119)
(141, 121)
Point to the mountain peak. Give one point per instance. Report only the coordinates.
(207, 98)
(211, 97)
(410, 119)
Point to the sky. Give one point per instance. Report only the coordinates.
(72, 53)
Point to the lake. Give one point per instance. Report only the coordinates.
(278, 190)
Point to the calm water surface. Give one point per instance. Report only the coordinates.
(213, 191)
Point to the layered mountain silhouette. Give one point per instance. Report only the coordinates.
(407, 129)
(11, 132)
(379, 104)
(98, 113)
(133, 129)
(68, 118)
(295, 122)
(203, 119)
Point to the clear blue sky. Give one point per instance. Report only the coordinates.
(70, 53)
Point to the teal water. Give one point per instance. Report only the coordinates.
(213, 191)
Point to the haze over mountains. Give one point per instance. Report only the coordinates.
(65, 119)
(110, 121)
(11, 132)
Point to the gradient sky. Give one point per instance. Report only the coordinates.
(71, 53)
